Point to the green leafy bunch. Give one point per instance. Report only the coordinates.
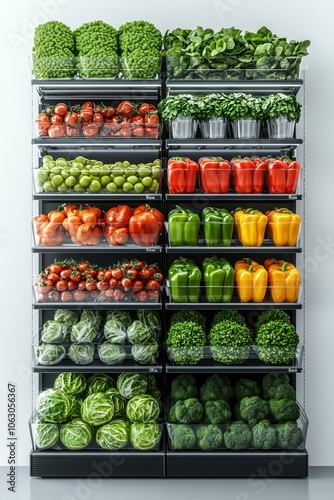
(53, 53)
(229, 341)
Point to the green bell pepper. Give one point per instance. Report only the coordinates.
(218, 279)
(183, 226)
(218, 226)
(184, 280)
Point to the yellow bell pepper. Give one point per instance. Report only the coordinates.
(251, 280)
(283, 280)
(283, 227)
(250, 226)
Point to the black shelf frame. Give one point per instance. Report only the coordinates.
(102, 306)
(97, 366)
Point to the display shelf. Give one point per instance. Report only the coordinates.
(105, 464)
(67, 365)
(110, 197)
(102, 247)
(261, 87)
(252, 365)
(261, 306)
(108, 142)
(234, 144)
(102, 306)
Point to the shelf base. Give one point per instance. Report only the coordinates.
(279, 464)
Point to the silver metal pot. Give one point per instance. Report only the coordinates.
(183, 127)
(281, 127)
(248, 128)
(215, 128)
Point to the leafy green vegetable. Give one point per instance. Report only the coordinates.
(46, 435)
(212, 106)
(99, 382)
(151, 319)
(273, 315)
(139, 333)
(230, 342)
(111, 354)
(143, 408)
(180, 105)
(71, 383)
(81, 354)
(97, 409)
(244, 106)
(118, 401)
(115, 331)
(276, 342)
(53, 406)
(83, 332)
(229, 314)
(50, 354)
(123, 317)
(76, 434)
(53, 332)
(144, 436)
(185, 341)
(67, 318)
(113, 436)
(145, 354)
(75, 408)
(276, 105)
(189, 315)
(131, 384)
(93, 317)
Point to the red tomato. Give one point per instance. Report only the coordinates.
(145, 273)
(65, 274)
(90, 129)
(127, 283)
(82, 285)
(61, 286)
(79, 295)
(55, 268)
(53, 277)
(71, 285)
(76, 276)
(100, 275)
(131, 273)
(125, 132)
(53, 295)
(101, 109)
(125, 108)
(142, 296)
(153, 294)
(90, 285)
(98, 118)
(90, 273)
(56, 119)
(118, 273)
(138, 131)
(145, 108)
(83, 266)
(119, 295)
(86, 115)
(71, 117)
(61, 109)
(56, 130)
(137, 119)
(102, 285)
(108, 294)
(110, 112)
(113, 282)
(137, 285)
(87, 104)
(95, 294)
(66, 296)
(108, 274)
(73, 131)
(152, 285)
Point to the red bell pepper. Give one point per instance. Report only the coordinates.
(283, 175)
(182, 175)
(215, 173)
(248, 175)
(117, 218)
(145, 225)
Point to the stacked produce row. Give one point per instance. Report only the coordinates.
(113, 338)
(230, 340)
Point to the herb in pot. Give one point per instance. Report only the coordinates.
(277, 105)
(244, 106)
(212, 106)
(183, 104)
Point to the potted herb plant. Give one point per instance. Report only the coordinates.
(245, 113)
(213, 120)
(181, 113)
(282, 112)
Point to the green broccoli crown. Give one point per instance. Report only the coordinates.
(183, 387)
(276, 342)
(209, 437)
(281, 391)
(289, 435)
(189, 411)
(189, 315)
(263, 435)
(246, 388)
(274, 379)
(237, 436)
(274, 315)
(217, 412)
(172, 416)
(253, 410)
(182, 437)
(186, 340)
(216, 387)
(237, 414)
(229, 315)
(283, 410)
(229, 342)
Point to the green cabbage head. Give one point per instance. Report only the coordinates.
(97, 409)
(76, 434)
(53, 405)
(144, 436)
(113, 436)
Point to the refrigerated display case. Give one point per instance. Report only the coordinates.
(166, 461)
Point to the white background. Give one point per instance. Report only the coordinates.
(291, 18)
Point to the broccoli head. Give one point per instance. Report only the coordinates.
(283, 410)
(263, 435)
(217, 412)
(172, 417)
(182, 437)
(246, 388)
(183, 387)
(283, 391)
(253, 410)
(216, 387)
(289, 435)
(189, 411)
(237, 414)
(273, 380)
(237, 436)
(209, 437)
